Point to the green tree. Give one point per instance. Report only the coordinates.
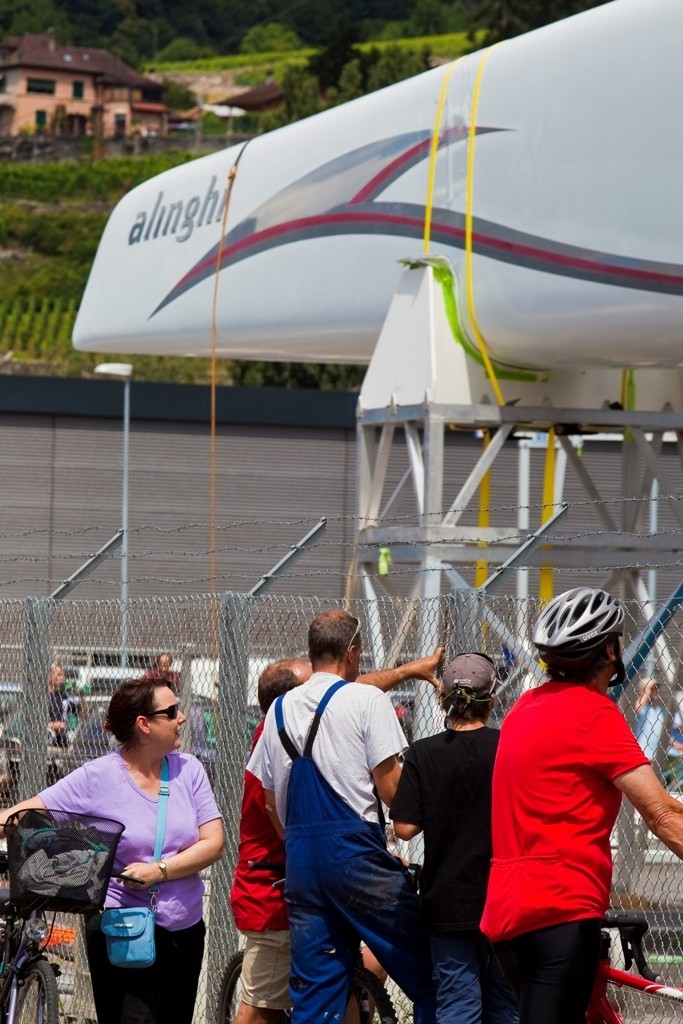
(20, 16)
(182, 48)
(339, 49)
(393, 64)
(387, 31)
(350, 85)
(270, 38)
(429, 18)
(129, 41)
(436, 17)
(326, 377)
(301, 94)
(91, 20)
(311, 19)
(503, 19)
(177, 96)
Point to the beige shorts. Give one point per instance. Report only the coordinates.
(265, 970)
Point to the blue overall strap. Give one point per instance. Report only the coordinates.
(281, 731)
(315, 724)
(164, 790)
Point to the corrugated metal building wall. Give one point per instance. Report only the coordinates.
(284, 459)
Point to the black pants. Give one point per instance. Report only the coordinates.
(552, 971)
(153, 995)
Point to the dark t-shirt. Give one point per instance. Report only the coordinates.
(445, 788)
(59, 705)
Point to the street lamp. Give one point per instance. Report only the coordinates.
(124, 372)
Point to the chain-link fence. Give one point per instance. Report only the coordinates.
(221, 644)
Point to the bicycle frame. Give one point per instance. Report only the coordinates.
(601, 1011)
(16, 958)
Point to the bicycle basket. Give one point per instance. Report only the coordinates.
(60, 861)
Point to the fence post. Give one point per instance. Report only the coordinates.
(231, 716)
(34, 718)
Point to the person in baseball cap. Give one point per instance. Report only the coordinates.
(467, 687)
(445, 793)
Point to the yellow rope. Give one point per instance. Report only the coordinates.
(624, 388)
(545, 583)
(468, 230)
(434, 149)
(214, 374)
(484, 516)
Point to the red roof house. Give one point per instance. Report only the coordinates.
(74, 90)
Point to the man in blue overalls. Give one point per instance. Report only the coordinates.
(330, 748)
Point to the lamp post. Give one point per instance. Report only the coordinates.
(124, 372)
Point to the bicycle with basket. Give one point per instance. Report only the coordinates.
(56, 862)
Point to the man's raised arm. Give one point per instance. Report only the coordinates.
(422, 668)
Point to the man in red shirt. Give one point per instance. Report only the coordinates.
(564, 759)
(258, 908)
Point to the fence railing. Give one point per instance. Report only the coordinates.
(221, 644)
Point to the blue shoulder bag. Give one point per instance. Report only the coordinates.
(129, 931)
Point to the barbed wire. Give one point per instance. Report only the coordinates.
(539, 507)
(514, 536)
(336, 574)
(144, 558)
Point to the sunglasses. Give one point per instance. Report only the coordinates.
(357, 631)
(170, 712)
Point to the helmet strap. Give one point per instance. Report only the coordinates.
(619, 674)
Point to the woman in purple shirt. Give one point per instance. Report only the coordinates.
(143, 716)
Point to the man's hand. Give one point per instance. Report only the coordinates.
(426, 668)
(422, 668)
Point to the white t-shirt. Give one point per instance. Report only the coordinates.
(358, 730)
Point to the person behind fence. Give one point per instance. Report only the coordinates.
(673, 768)
(259, 908)
(329, 754)
(63, 708)
(161, 669)
(445, 793)
(126, 785)
(565, 757)
(650, 717)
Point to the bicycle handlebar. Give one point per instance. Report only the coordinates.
(632, 927)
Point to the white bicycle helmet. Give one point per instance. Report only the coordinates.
(572, 630)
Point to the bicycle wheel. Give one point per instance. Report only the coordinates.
(231, 990)
(373, 1002)
(370, 1002)
(38, 1001)
(231, 993)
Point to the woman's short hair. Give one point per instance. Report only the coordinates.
(131, 698)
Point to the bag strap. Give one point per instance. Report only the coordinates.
(282, 732)
(285, 739)
(315, 724)
(164, 790)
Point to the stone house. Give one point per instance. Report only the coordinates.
(47, 87)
